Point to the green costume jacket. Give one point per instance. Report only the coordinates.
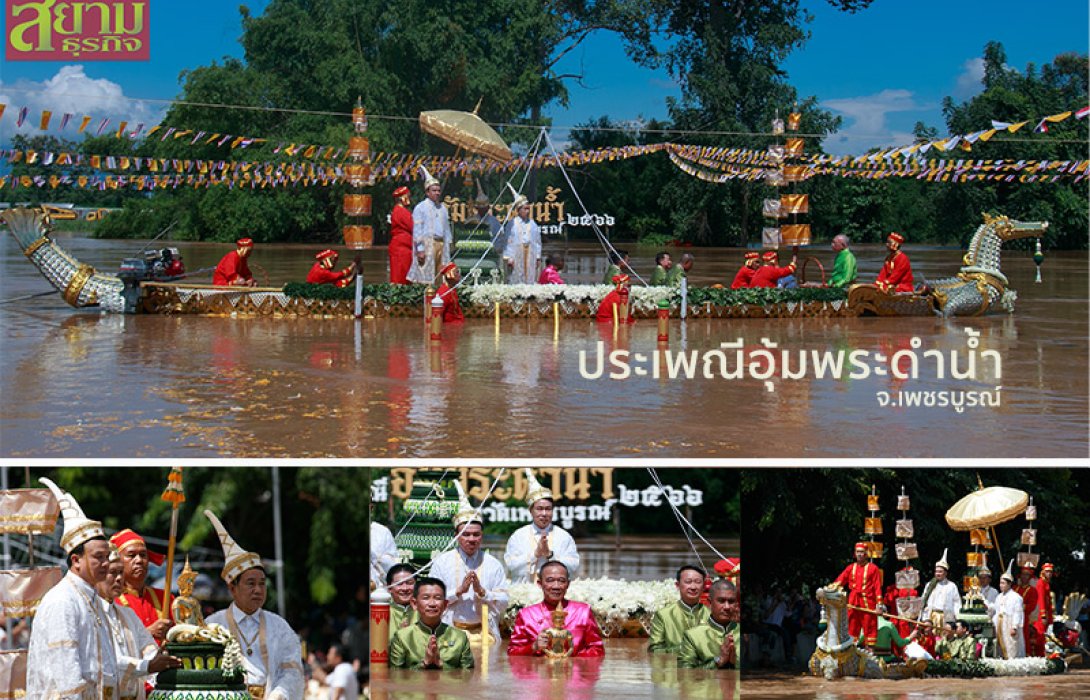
(398, 616)
(844, 272)
(658, 277)
(408, 645)
(670, 624)
(963, 648)
(610, 272)
(887, 640)
(673, 277)
(700, 645)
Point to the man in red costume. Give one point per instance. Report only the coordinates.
(768, 274)
(144, 600)
(896, 274)
(401, 237)
(863, 580)
(744, 277)
(1027, 588)
(613, 299)
(1045, 612)
(323, 273)
(232, 270)
(452, 310)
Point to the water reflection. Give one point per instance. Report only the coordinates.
(1073, 684)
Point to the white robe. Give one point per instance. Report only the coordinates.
(451, 568)
(431, 222)
(71, 655)
(383, 553)
(1008, 615)
(523, 250)
(133, 646)
(519, 557)
(276, 664)
(945, 597)
(989, 594)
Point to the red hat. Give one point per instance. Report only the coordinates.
(245, 243)
(896, 238)
(127, 538)
(752, 255)
(448, 268)
(770, 255)
(401, 191)
(861, 545)
(327, 253)
(730, 567)
(620, 279)
(1047, 567)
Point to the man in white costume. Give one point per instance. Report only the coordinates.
(271, 654)
(1008, 617)
(431, 233)
(383, 553)
(472, 577)
(941, 596)
(531, 546)
(137, 653)
(71, 654)
(523, 251)
(987, 591)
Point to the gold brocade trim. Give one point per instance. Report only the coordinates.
(63, 643)
(20, 608)
(257, 691)
(15, 694)
(32, 249)
(983, 280)
(84, 273)
(91, 528)
(242, 562)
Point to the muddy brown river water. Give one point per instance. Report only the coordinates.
(80, 384)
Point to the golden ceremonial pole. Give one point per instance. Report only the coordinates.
(172, 495)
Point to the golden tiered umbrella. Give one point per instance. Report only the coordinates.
(465, 130)
(987, 507)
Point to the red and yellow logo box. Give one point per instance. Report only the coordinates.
(49, 30)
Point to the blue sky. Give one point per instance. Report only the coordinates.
(882, 69)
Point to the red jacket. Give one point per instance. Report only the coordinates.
(452, 309)
(896, 274)
(320, 275)
(768, 275)
(231, 269)
(744, 278)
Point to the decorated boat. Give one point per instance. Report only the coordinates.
(979, 287)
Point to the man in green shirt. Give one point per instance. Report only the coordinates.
(888, 639)
(618, 265)
(962, 646)
(671, 622)
(430, 643)
(715, 643)
(662, 268)
(400, 580)
(677, 272)
(844, 272)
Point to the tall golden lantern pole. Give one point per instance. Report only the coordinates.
(357, 204)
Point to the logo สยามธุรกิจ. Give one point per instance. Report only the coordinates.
(48, 30)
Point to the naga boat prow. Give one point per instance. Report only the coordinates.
(979, 287)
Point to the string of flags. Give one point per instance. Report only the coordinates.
(125, 129)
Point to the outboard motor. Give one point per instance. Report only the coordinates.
(132, 272)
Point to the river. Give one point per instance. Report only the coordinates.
(84, 385)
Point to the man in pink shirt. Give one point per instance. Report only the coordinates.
(551, 274)
(531, 634)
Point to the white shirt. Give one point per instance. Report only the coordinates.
(133, 646)
(276, 663)
(71, 655)
(344, 677)
(989, 594)
(519, 557)
(383, 553)
(451, 567)
(944, 596)
(1008, 615)
(431, 221)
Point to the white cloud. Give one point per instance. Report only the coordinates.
(866, 120)
(72, 91)
(971, 79)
